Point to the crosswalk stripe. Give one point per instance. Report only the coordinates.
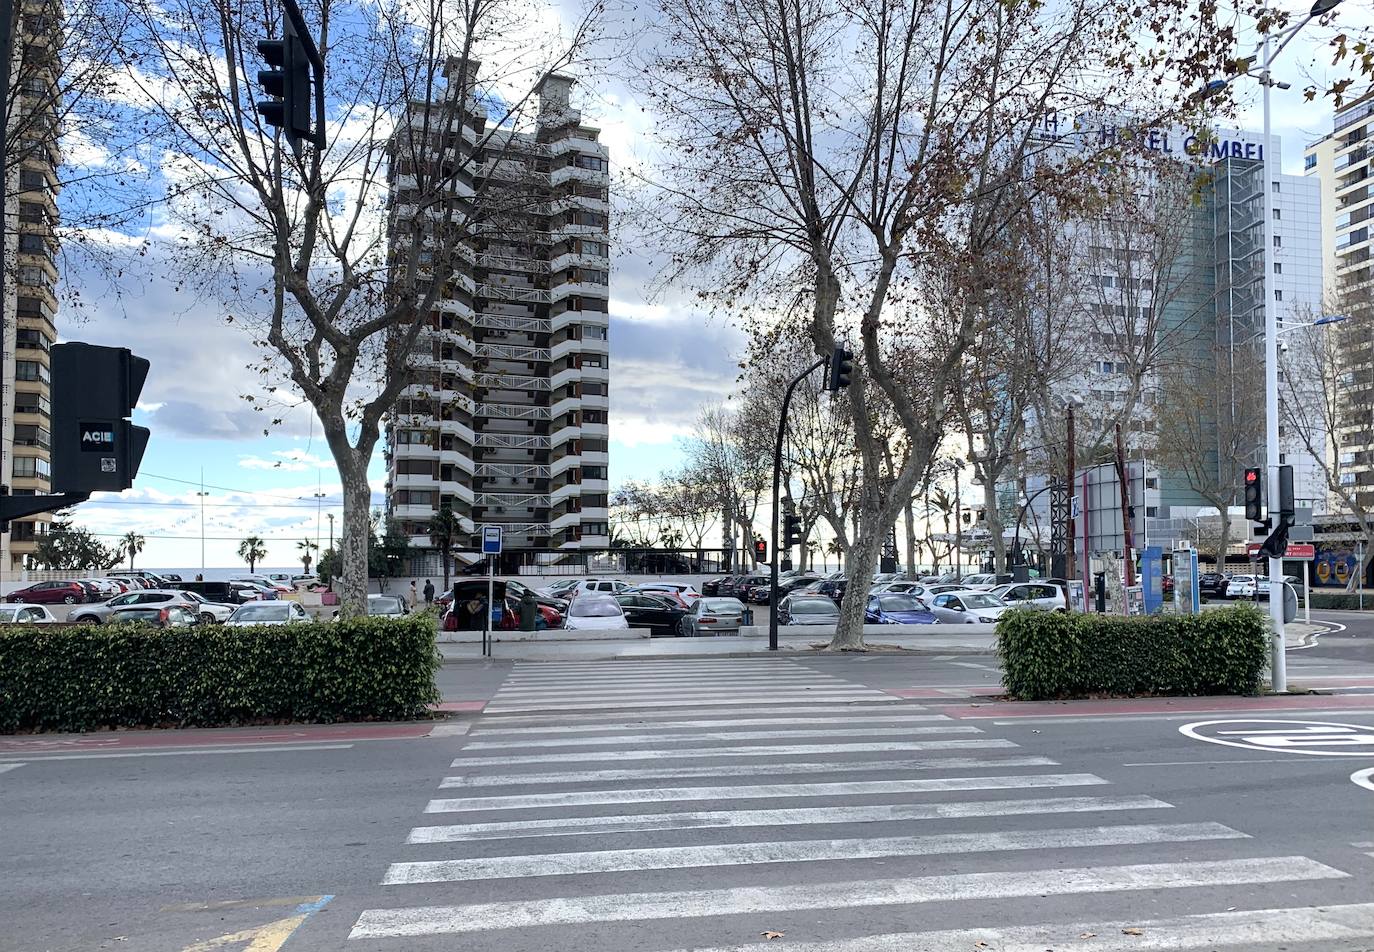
(865, 892)
(630, 740)
(762, 791)
(729, 770)
(1247, 928)
(828, 708)
(735, 703)
(5, 767)
(769, 751)
(733, 722)
(649, 692)
(794, 851)
(581, 826)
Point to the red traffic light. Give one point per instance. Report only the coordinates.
(1252, 475)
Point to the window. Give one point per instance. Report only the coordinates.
(31, 467)
(1309, 162)
(1105, 280)
(1278, 294)
(1106, 367)
(593, 332)
(1278, 241)
(593, 360)
(1151, 482)
(31, 403)
(1277, 188)
(1278, 267)
(1278, 212)
(30, 338)
(1151, 511)
(31, 276)
(31, 434)
(593, 416)
(30, 370)
(593, 162)
(32, 244)
(593, 472)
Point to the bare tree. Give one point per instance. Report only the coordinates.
(299, 246)
(729, 455)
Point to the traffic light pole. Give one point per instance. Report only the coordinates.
(777, 499)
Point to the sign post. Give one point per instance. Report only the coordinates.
(491, 548)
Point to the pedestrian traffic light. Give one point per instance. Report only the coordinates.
(841, 366)
(791, 530)
(289, 83)
(1288, 512)
(94, 390)
(760, 550)
(1254, 494)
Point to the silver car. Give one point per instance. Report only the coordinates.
(268, 613)
(967, 608)
(100, 612)
(799, 609)
(1032, 595)
(713, 616)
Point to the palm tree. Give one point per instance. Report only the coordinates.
(132, 545)
(252, 550)
(306, 548)
(443, 532)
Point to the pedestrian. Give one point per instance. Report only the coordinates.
(413, 596)
(429, 593)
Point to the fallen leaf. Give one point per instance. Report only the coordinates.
(1132, 931)
(772, 935)
(1088, 935)
(980, 944)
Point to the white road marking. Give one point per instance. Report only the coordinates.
(632, 740)
(1363, 778)
(706, 752)
(1249, 929)
(794, 851)
(572, 798)
(650, 693)
(449, 730)
(865, 892)
(1237, 760)
(721, 724)
(735, 702)
(820, 708)
(638, 822)
(5, 767)
(1288, 736)
(260, 749)
(729, 770)
(565, 682)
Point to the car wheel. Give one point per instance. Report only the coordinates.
(207, 619)
(69, 600)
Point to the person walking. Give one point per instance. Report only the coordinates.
(429, 593)
(413, 596)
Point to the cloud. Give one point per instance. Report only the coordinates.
(291, 461)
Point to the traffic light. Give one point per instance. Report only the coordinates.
(94, 390)
(1288, 512)
(1254, 494)
(791, 530)
(289, 83)
(840, 368)
(760, 550)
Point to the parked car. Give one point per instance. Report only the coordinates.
(100, 588)
(681, 595)
(981, 580)
(919, 589)
(265, 590)
(1213, 584)
(803, 609)
(1033, 595)
(967, 607)
(1242, 586)
(594, 611)
(384, 606)
(833, 588)
(211, 613)
(25, 615)
(157, 598)
(658, 613)
(50, 593)
(713, 616)
(171, 577)
(263, 582)
(283, 579)
(711, 586)
(501, 586)
(562, 588)
(145, 579)
(758, 594)
(606, 586)
(94, 591)
(939, 588)
(166, 616)
(893, 609)
(268, 613)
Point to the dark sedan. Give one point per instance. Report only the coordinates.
(1211, 583)
(801, 609)
(758, 594)
(885, 609)
(660, 615)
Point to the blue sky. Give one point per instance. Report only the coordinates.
(667, 360)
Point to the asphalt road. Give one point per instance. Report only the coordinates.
(852, 804)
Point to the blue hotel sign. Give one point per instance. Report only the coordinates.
(1166, 141)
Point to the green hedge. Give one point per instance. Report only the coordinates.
(90, 676)
(1055, 655)
(1341, 600)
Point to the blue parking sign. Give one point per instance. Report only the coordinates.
(491, 540)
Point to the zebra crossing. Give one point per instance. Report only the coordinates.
(742, 804)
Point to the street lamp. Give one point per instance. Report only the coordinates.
(1016, 540)
(1267, 53)
(1071, 402)
(202, 494)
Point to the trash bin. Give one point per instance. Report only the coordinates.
(748, 617)
(529, 611)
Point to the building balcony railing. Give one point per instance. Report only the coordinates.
(513, 352)
(506, 292)
(511, 441)
(511, 411)
(511, 471)
(511, 382)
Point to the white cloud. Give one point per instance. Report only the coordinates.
(290, 461)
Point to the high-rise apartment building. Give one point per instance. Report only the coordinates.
(505, 420)
(1341, 162)
(30, 279)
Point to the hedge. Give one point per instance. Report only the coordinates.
(1049, 655)
(1347, 601)
(90, 676)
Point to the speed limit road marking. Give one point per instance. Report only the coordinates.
(1316, 738)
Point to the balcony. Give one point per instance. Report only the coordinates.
(495, 381)
(511, 411)
(514, 352)
(511, 441)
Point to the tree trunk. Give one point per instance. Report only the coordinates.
(357, 498)
(992, 516)
(443, 557)
(909, 513)
(1224, 542)
(860, 563)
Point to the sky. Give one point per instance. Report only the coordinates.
(668, 359)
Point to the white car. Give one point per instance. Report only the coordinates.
(594, 611)
(1032, 595)
(21, 614)
(210, 612)
(1242, 586)
(268, 613)
(606, 586)
(921, 590)
(967, 607)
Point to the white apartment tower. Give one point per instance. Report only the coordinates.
(505, 422)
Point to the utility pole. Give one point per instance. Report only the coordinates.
(958, 524)
(1070, 557)
(1121, 478)
(202, 494)
(6, 56)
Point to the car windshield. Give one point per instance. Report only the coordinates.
(899, 603)
(716, 606)
(813, 606)
(192, 596)
(275, 611)
(982, 600)
(594, 607)
(384, 605)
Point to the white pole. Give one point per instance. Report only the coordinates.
(1278, 664)
(1359, 567)
(486, 622)
(201, 494)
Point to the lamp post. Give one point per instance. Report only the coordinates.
(1071, 402)
(202, 494)
(1016, 539)
(1267, 52)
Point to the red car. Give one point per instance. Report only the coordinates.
(50, 593)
